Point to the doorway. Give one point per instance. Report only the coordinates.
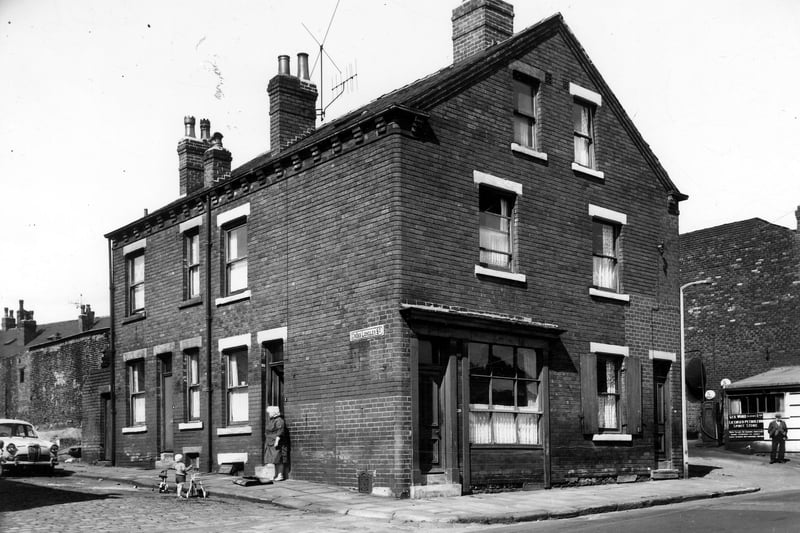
(436, 413)
(107, 429)
(167, 408)
(663, 408)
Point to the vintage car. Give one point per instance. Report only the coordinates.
(20, 446)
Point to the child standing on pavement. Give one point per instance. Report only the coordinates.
(180, 473)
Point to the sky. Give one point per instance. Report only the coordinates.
(94, 92)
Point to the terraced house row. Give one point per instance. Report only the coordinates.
(468, 283)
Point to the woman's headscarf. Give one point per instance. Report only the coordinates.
(273, 411)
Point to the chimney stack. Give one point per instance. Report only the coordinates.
(7, 322)
(216, 160)
(478, 24)
(292, 103)
(86, 318)
(26, 328)
(190, 158)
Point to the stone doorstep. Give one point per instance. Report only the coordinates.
(443, 490)
(664, 473)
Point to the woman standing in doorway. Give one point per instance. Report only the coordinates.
(276, 442)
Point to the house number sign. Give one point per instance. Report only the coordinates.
(366, 333)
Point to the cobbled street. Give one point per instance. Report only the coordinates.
(71, 503)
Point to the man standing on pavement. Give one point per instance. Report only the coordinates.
(777, 432)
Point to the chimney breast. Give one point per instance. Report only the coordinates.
(190, 158)
(292, 104)
(478, 24)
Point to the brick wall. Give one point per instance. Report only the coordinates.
(744, 322)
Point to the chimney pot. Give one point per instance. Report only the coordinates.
(188, 124)
(302, 66)
(205, 129)
(283, 65)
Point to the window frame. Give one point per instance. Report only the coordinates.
(192, 362)
(532, 89)
(137, 391)
(630, 396)
(489, 184)
(233, 390)
(230, 263)
(191, 248)
(591, 101)
(492, 409)
(602, 216)
(602, 256)
(133, 283)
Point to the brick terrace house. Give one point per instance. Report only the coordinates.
(469, 282)
(745, 322)
(53, 376)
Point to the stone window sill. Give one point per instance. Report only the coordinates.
(234, 430)
(611, 437)
(598, 293)
(183, 426)
(134, 429)
(502, 274)
(134, 318)
(515, 147)
(190, 303)
(239, 296)
(580, 169)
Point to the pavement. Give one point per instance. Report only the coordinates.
(714, 472)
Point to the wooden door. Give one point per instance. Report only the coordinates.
(167, 406)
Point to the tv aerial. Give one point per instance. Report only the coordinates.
(344, 81)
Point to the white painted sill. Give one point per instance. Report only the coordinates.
(611, 437)
(512, 276)
(235, 430)
(183, 426)
(134, 429)
(588, 171)
(516, 147)
(244, 295)
(610, 295)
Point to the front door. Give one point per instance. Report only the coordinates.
(662, 415)
(167, 405)
(107, 428)
(431, 417)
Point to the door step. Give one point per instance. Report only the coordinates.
(440, 490)
(664, 473)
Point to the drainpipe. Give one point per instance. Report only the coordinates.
(209, 351)
(112, 357)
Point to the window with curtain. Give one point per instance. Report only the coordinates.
(504, 405)
(135, 278)
(193, 385)
(608, 392)
(136, 393)
(525, 111)
(274, 354)
(235, 259)
(496, 228)
(192, 261)
(583, 126)
(236, 372)
(605, 237)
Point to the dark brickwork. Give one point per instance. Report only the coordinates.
(385, 214)
(744, 322)
(61, 390)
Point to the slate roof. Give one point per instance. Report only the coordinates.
(780, 377)
(428, 92)
(46, 333)
(729, 231)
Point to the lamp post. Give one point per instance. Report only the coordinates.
(683, 380)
